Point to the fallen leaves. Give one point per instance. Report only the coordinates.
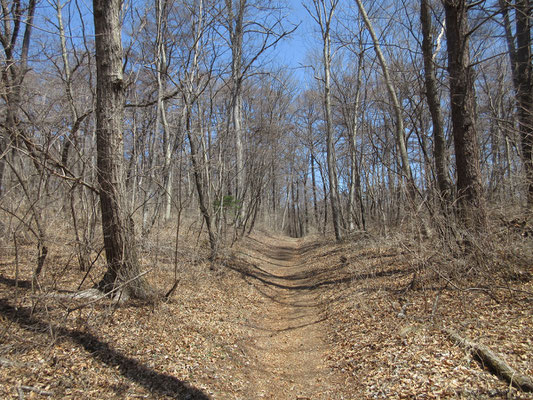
(408, 357)
(383, 334)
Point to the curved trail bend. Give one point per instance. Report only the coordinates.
(287, 348)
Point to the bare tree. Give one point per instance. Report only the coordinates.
(117, 224)
(14, 16)
(161, 7)
(348, 90)
(310, 114)
(519, 47)
(469, 187)
(323, 15)
(75, 119)
(399, 126)
(244, 28)
(433, 100)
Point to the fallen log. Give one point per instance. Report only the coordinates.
(493, 362)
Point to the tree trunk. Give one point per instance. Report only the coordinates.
(326, 198)
(13, 73)
(439, 141)
(313, 183)
(324, 16)
(236, 21)
(330, 147)
(522, 70)
(399, 131)
(117, 224)
(306, 206)
(469, 187)
(3, 154)
(201, 187)
(351, 117)
(161, 116)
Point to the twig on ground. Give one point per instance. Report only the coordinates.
(172, 289)
(4, 362)
(34, 389)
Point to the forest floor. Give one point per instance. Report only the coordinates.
(275, 318)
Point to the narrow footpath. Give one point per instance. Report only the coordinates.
(287, 347)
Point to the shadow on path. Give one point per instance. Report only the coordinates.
(156, 382)
(255, 272)
(287, 345)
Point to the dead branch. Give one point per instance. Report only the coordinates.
(172, 290)
(95, 295)
(494, 362)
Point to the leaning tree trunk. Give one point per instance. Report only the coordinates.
(469, 186)
(399, 131)
(123, 272)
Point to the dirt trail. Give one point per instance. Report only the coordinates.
(287, 347)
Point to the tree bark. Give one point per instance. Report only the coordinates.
(439, 141)
(525, 90)
(117, 224)
(236, 30)
(469, 187)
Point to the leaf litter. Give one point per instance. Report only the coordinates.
(231, 330)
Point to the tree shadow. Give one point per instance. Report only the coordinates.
(14, 282)
(313, 274)
(156, 382)
(274, 332)
(309, 279)
(281, 252)
(270, 262)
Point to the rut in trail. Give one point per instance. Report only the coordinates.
(287, 348)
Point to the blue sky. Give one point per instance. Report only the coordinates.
(293, 51)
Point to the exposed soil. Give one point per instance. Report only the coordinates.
(288, 344)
